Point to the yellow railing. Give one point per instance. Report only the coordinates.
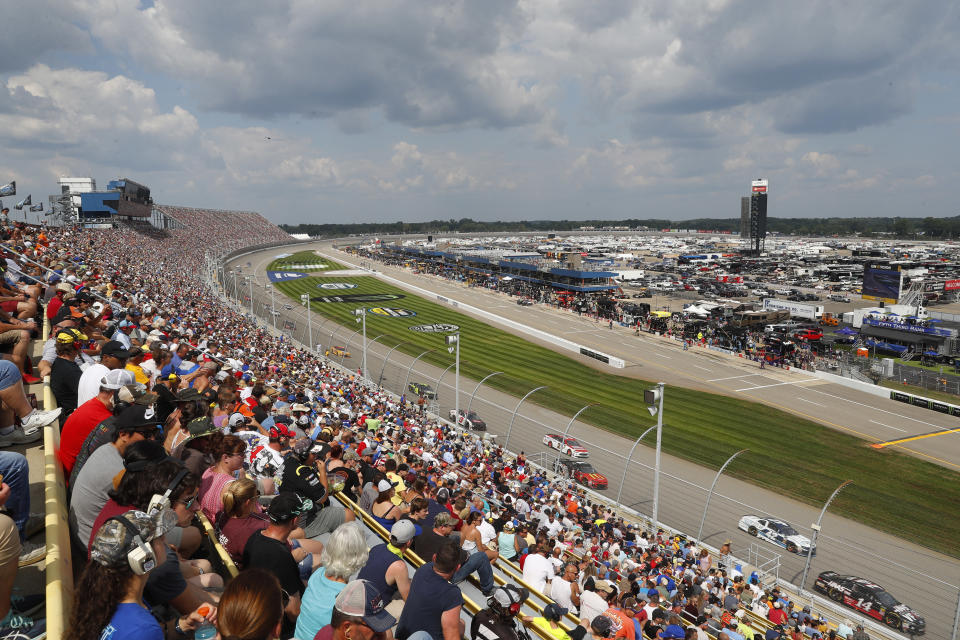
(228, 564)
(58, 568)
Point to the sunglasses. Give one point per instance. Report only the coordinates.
(189, 503)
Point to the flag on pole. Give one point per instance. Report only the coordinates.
(9, 189)
(37, 207)
(26, 202)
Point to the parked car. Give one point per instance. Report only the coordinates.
(839, 297)
(582, 472)
(422, 389)
(808, 334)
(777, 532)
(468, 420)
(871, 599)
(569, 446)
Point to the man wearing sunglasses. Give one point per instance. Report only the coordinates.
(95, 480)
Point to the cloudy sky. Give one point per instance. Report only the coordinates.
(335, 110)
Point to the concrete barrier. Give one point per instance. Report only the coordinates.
(880, 392)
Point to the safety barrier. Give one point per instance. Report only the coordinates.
(58, 568)
(226, 562)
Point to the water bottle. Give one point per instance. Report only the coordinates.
(206, 631)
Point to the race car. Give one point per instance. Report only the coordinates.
(569, 446)
(582, 472)
(470, 420)
(340, 352)
(422, 389)
(776, 531)
(871, 599)
(525, 302)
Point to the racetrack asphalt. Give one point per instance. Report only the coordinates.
(843, 545)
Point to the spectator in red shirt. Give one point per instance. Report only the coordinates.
(88, 415)
(777, 615)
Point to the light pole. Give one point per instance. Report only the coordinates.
(816, 529)
(361, 316)
(273, 306)
(654, 398)
(387, 359)
(575, 416)
(453, 342)
(406, 380)
(514, 417)
(626, 463)
(470, 404)
(305, 301)
(710, 493)
(250, 282)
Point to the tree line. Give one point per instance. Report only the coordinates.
(927, 228)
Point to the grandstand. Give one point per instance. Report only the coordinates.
(160, 277)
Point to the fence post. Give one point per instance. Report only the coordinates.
(956, 618)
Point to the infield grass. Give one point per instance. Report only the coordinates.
(893, 492)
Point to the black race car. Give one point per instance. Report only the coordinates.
(582, 472)
(871, 599)
(422, 389)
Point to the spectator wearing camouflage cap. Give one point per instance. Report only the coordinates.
(125, 550)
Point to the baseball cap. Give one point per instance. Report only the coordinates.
(117, 378)
(237, 419)
(361, 599)
(301, 446)
(385, 485)
(137, 416)
(673, 631)
(68, 335)
(553, 611)
(601, 625)
(188, 395)
(402, 531)
(113, 541)
(115, 349)
(349, 455)
(200, 425)
(604, 585)
(287, 506)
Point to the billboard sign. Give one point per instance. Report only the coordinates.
(796, 309)
(939, 286)
(882, 282)
(903, 326)
(759, 186)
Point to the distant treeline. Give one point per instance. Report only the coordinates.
(898, 227)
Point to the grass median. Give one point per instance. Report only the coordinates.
(893, 492)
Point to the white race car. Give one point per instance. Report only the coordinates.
(569, 446)
(776, 531)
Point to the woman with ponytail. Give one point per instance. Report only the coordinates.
(242, 517)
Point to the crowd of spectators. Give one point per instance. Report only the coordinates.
(177, 405)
